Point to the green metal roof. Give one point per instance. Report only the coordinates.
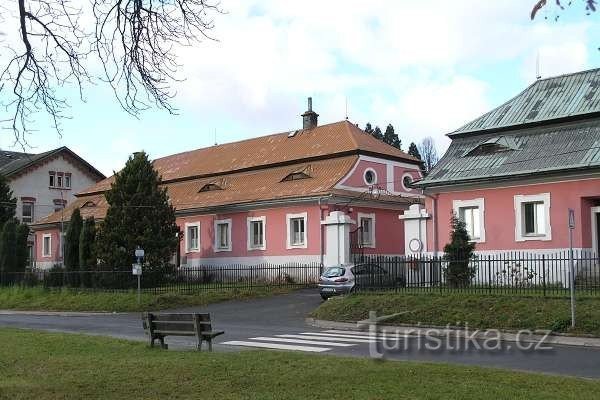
(544, 149)
(545, 100)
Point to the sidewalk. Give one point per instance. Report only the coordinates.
(58, 313)
(442, 331)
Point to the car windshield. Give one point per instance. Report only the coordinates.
(333, 272)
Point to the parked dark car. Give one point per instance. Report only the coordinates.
(344, 279)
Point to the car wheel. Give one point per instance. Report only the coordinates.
(324, 296)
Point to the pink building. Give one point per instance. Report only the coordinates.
(513, 174)
(266, 199)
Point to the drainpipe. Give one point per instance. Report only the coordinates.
(433, 220)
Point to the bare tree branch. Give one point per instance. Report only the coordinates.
(134, 40)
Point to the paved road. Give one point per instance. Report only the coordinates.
(279, 323)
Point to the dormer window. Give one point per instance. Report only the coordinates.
(214, 185)
(493, 145)
(303, 173)
(88, 204)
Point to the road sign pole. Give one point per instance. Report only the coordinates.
(572, 265)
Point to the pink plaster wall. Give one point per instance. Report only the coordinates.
(500, 214)
(389, 230)
(399, 173)
(275, 233)
(55, 254)
(356, 178)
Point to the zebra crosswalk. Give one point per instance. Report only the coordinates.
(314, 342)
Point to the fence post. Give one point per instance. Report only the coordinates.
(489, 263)
(544, 274)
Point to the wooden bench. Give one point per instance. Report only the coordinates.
(160, 325)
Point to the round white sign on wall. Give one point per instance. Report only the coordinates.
(415, 245)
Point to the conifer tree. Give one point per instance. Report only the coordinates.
(369, 128)
(459, 272)
(8, 203)
(377, 133)
(390, 137)
(87, 250)
(21, 253)
(413, 150)
(71, 246)
(139, 214)
(8, 241)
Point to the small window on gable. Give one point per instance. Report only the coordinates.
(493, 145)
(88, 203)
(214, 185)
(302, 173)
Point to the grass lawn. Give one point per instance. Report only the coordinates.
(16, 298)
(479, 311)
(42, 366)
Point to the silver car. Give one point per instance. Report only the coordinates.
(343, 279)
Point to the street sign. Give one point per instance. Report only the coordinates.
(571, 218)
(139, 252)
(136, 269)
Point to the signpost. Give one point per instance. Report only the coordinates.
(572, 265)
(137, 270)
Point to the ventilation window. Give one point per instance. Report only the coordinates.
(370, 177)
(296, 175)
(88, 204)
(209, 187)
(493, 146)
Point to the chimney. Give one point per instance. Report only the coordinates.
(310, 118)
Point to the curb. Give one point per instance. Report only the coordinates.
(437, 331)
(58, 313)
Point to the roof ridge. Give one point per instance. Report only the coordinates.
(585, 71)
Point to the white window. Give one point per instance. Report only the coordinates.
(68, 181)
(59, 181)
(223, 235)
(256, 233)
(192, 237)
(47, 245)
(472, 213)
(52, 179)
(532, 217)
(296, 230)
(367, 224)
(27, 212)
(370, 176)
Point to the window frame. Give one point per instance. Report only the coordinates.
(218, 222)
(47, 252)
(289, 218)
(250, 233)
(371, 216)
(478, 203)
(520, 225)
(52, 179)
(32, 204)
(375, 177)
(67, 181)
(188, 226)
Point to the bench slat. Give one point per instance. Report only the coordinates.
(175, 333)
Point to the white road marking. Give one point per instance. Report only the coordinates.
(337, 339)
(378, 337)
(277, 346)
(301, 341)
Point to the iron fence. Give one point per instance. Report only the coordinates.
(510, 273)
(171, 279)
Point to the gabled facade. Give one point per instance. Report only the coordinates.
(264, 199)
(513, 174)
(45, 183)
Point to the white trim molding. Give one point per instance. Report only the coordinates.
(218, 222)
(359, 217)
(249, 221)
(520, 235)
(479, 203)
(288, 218)
(186, 237)
(47, 252)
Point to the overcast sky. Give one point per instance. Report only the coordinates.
(427, 67)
